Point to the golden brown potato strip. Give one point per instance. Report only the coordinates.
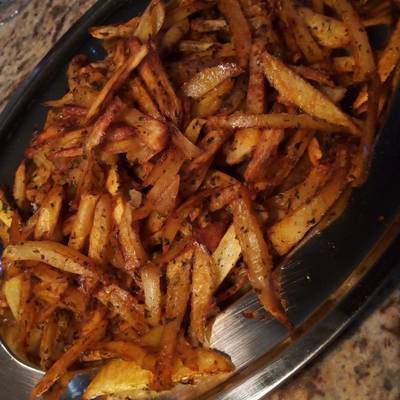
(151, 275)
(117, 80)
(92, 332)
(125, 350)
(204, 279)
(124, 304)
(101, 230)
(13, 289)
(98, 132)
(131, 245)
(143, 99)
(119, 377)
(296, 90)
(243, 145)
(208, 25)
(285, 202)
(344, 64)
(329, 31)
(19, 187)
(152, 132)
(227, 254)
(265, 150)
(194, 46)
(294, 22)
(286, 233)
(157, 81)
(196, 170)
(390, 56)
(134, 148)
(178, 292)
(213, 100)
(362, 52)
(6, 211)
(55, 254)
(184, 10)
(239, 28)
(83, 222)
(194, 128)
(48, 343)
(209, 78)
(174, 34)
(255, 100)
(274, 120)
(151, 21)
(189, 149)
(108, 32)
(256, 256)
(49, 214)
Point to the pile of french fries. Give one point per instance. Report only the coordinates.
(176, 172)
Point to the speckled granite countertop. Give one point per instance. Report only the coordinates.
(363, 364)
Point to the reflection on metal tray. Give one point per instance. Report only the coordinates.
(326, 281)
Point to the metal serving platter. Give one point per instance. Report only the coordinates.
(326, 281)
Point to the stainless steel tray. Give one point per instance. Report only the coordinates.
(326, 281)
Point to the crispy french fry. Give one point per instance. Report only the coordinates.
(239, 28)
(362, 52)
(286, 233)
(204, 279)
(255, 101)
(294, 21)
(20, 185)
(329, 31)
(243, 145)
(116, 81)
(150, 275)
(263, 153)
(143, 98)
(83, 222)
(108, 32)
(178, 292)
(174, 34)
(227, 254)
(256, 256)
(101, 229)
(92, 332)
(151, 21)
(304, 96)
(52, 253)
(49, 214)
(209, 78)
(124, 304)
(274, 120)
(208, 25)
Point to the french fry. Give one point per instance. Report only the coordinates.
(213, 100)
(101, 229)
(273, 120)
(131, 246)
(329, 31)
(151, 21)
(178, 292)
(344, 64)
(185, 10)
(362, 52)
(124, 304)
(291, 229)
(13, 290)
(150, 275)
(227, 254)
(174, 34)
(255, 101)
(6, 211)
(305, 96)
(294, 21)
(119, 376)
(264, 151)
(239, 28)
(208, 25)
(19, 187)
(256, 256)
(204, 279)
(143, 98)
(49, 214)
(243, 145)
(92, 332)
(116, 81)
(52, 253)
(83, 222)
(209, 78)
(108, 32)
